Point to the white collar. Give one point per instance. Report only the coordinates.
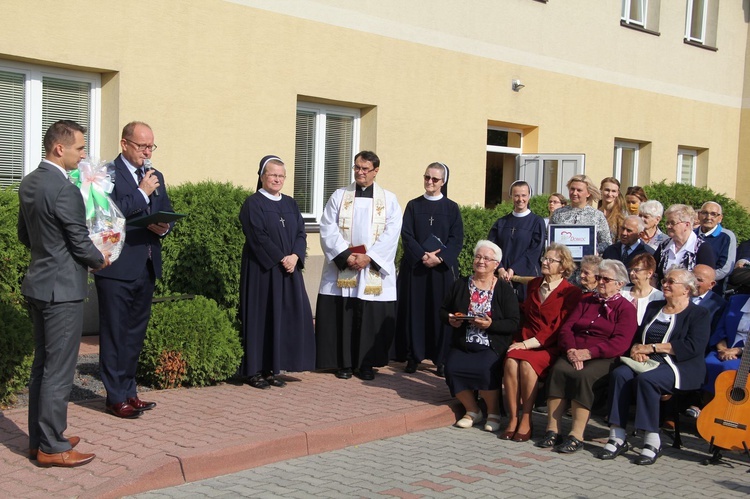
(64, 172)
(523, 214)
(710, 231)
(433, 198)
(269, 195)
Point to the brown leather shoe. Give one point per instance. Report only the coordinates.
(140, 405)
(67, 459)
(73, 442)
(123, 410)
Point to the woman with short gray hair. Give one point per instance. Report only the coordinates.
(667, 356)
(651, 212)
(684, 248)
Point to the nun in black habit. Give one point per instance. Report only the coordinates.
(277, 325)
(432, 235)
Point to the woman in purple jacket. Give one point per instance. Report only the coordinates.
(599, 330)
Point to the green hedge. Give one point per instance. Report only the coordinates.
(736, 217)
(16, 334)
(14, 256)
(189, 343)
(202, 255)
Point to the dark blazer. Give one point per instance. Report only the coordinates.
(715, 305)
(133, 205)
(729, 320)
(51, 221)
(688, 337)
(614, 252)
(506, 315)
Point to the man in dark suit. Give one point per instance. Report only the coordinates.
(52, 223)
(706, 277)
(126, 288)
(630, 243)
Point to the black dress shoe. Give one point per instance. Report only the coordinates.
(440, 370)
(123, 410)
(257, 381)
(366, 374)
(645, 460)
(345, 373)
(411, 366)
(274, 381)
(141, 405)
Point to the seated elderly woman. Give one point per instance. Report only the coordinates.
(483, 312)
(683, 248)
(641, 293)
(599, 330)
(728, 340)
(583, 277)
(549, 301)
(668, 355)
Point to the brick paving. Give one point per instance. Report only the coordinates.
(204, 432)
(450, 462)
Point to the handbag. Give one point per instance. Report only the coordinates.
(639, 367)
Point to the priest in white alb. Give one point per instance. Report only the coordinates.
(355, 317)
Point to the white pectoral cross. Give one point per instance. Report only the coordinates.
(431, 220)
(281, 219)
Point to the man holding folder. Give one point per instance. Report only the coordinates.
(126, 288)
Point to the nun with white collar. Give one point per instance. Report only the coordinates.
(521, 235)
(432, 235)
(277, 325)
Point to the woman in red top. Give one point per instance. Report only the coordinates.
(550, 299)
(599, 330)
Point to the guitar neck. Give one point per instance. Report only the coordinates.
(741, 379)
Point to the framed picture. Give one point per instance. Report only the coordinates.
(580, 239)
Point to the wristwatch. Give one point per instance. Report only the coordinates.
(653, 347)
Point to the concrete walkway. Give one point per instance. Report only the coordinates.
(199, 433)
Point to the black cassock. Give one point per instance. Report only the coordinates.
(421, 290)
(522, 241)
(277, 325)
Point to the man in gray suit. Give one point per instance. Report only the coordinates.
(51, 222)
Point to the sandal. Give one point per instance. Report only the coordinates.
(493, 423)
(551, 439)
(469, 419)
(606, 455)
(570, 445)
(645, 460)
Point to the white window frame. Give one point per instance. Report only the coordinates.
(689, 21)
(34, 75)
(505, 149)
(321, 111)
(681, 153)
(642, 6)
(617, 169)
(529, 167)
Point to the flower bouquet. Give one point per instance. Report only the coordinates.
(104, 220)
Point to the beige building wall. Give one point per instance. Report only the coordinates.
(219, 81)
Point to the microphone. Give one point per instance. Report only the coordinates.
(146, 167)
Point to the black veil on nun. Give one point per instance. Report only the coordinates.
(262, 167)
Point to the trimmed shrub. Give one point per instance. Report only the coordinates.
(202, 254)
(14, 256)
(189, 343)
(477, 225)
(16, 351)
(736, 216)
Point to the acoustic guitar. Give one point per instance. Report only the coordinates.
(725, 421)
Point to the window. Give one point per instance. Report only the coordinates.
(31, 99)
(634, 12)
(686, 166)
(701, 23)
(625, 163)
(642, 15)
(327, 138)
(548, 173)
